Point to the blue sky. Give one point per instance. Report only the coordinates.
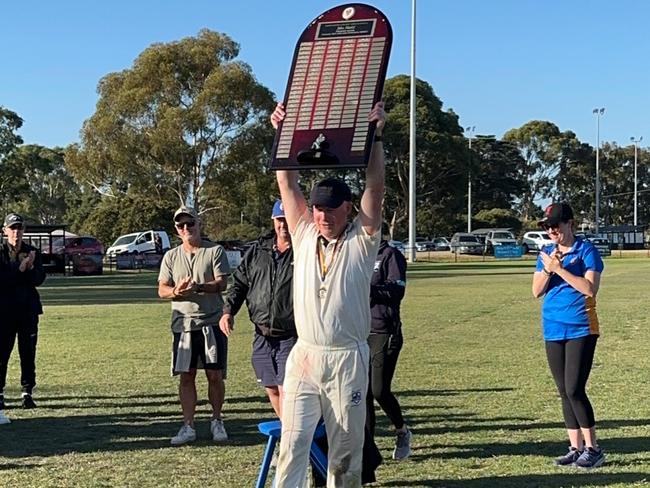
(497, 64)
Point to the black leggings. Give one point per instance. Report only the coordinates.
(384, 351)
(570, 362)
(26, 329)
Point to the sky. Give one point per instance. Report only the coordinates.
(497, 64)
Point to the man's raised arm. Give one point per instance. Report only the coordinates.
(293, 200)
(373, 195)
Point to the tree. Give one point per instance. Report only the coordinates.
(161, 126)
(496, 180)
(441, 159)
(45, 185)
(544, 149)
(10, 177)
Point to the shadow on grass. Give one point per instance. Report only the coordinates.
(125, 427)
(564, 479)
(459, 391)
(54, 436)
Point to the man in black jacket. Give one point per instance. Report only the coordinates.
(387, 289)
(22, 272)
(264, 281)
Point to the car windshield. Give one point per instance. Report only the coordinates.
(127, 239)
(468, 239)
(502, 235)
(545, 236)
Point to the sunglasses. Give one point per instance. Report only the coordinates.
(16, 227)
(187, 225)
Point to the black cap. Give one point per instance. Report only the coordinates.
(556, 213)
(13, 218)
(330, 193)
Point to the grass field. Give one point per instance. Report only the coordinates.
(472, 380)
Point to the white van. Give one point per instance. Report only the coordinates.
(139, 243)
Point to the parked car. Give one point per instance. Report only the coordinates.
(77, 245)
(440, 244)
(399, 245)
(534, 241)
(496, 237)
(138, 243)
(65, 249)
(600, 243)
(421, 244)
(464, 243)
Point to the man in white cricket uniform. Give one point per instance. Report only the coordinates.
(327, 370)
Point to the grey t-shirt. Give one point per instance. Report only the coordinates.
(198, 309)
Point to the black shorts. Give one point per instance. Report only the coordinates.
(270, 358)
(198, 360)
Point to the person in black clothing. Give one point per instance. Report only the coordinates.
(22, 271)
(264, 281)
(387, 289)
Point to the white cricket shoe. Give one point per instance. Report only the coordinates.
(185, 435)
(218, 430)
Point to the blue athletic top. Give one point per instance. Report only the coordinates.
(567, 313)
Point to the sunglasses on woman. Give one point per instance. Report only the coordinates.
(187, 225)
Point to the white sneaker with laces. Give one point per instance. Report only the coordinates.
(185, 435)
(3, 418)
(218, 430)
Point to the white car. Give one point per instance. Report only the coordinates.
(535, 241)
(139, 243)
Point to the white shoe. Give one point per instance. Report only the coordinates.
(218, 430)
(185, 435)
(4, 419)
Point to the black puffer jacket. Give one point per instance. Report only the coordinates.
(18, 289)
(267, 289)
(387, 288)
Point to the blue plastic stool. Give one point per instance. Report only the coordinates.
(273, 429)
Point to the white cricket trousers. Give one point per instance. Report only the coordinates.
(328, 382)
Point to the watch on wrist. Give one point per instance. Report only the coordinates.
(200, 288)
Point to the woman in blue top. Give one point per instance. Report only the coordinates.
(568, 275)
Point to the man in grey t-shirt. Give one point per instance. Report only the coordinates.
(193, 275)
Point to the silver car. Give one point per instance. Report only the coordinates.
(464, 243)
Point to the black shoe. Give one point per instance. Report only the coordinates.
(569, 458)
(590, 458)
(28, 402)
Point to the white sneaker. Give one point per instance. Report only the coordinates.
(185, 435)
(4, 419)
(218, 430)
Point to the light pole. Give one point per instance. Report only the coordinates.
(411, 250)
(598, 112)
(470, 132)
(636, 146)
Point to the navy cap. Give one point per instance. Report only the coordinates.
(278, 210)
(330, 193)
(556, 213)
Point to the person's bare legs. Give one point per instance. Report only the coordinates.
(216, 391)
(273, 392)
(589, 436)
(187, 395)
(575, 438)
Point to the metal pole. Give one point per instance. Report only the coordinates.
(636, 145)
(470, 130)
(411, 250)
(598, 112)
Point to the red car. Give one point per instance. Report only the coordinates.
(77, 245)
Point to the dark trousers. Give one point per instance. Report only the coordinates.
(26, 329)
(384, 352)
(570, 362)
